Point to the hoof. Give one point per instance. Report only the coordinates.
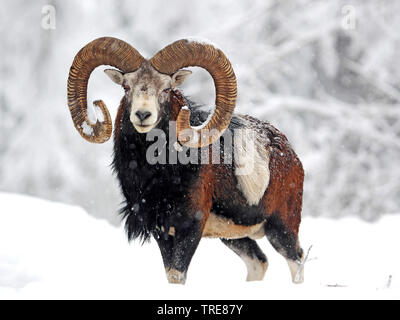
(297, 271)
(255, 269)
(175, 276)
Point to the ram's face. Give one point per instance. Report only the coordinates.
(146, 90)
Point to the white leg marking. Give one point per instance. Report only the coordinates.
(175, 276)
(296, 270)
(255, 268)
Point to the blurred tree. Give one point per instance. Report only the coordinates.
(331, 85)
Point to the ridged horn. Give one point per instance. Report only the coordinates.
(185, 53)
(102, 51)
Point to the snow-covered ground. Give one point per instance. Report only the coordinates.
(51, 250)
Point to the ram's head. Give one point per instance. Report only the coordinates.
(147, 84)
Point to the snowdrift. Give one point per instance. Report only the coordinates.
(52, 250)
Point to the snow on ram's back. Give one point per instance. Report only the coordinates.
(65, 249)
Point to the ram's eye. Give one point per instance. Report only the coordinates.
(126, 87)
(167, 90)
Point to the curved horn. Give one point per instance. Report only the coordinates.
(102, 51)
(185, 53)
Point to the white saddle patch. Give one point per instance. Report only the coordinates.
(251, 165)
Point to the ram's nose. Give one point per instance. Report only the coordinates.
(143, 115)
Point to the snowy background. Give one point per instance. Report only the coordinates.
(325, 73)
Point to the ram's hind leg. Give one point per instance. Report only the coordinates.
(287, 244)
(251, 254)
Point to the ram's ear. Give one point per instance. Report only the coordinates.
(178, 77)
(115, 75)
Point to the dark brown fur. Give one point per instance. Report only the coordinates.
(211, 188)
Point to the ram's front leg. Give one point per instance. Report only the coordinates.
(178, 248)
(186, 227)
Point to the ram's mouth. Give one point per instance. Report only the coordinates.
(143, 128)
